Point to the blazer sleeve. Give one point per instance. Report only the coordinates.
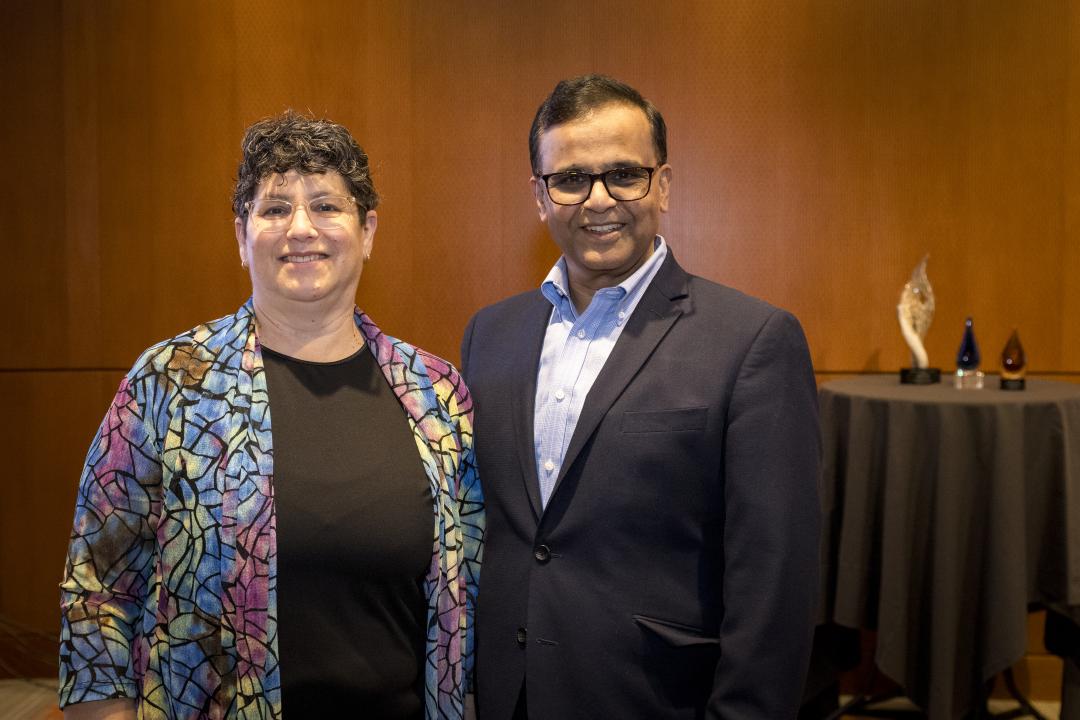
(110, 556)
(771, 528)
(466, 346)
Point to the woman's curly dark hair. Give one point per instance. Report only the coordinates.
(308, 145)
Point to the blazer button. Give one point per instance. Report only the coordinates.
(522, 636)
(542, 553)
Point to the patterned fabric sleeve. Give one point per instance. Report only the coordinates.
(111, 557)
(435, 397)
(471, 499)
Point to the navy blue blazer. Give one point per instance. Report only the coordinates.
(674, 571)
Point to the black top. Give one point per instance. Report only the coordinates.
(355, 533)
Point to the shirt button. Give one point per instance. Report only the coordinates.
(581, 334)
(559, 394)
(622, 314)
(549, 466)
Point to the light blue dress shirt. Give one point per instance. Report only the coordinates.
(575, 350)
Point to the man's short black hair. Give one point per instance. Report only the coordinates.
(577, 97)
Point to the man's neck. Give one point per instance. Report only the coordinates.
(582, 289)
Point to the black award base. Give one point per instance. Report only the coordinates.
(920, 376)
(1012, 383)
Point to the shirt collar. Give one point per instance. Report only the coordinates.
(556, 286)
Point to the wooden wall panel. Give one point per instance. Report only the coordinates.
(32, 184)
(1069, 307)
(79, 328)
(820, 148)
(48, 422)
(166, 158)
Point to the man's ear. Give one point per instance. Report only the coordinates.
(540, 195)
(663, 183)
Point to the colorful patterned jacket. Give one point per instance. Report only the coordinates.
(169, 590)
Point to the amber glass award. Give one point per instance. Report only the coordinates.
(1013, 364)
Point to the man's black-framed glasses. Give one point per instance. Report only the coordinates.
(574, 188)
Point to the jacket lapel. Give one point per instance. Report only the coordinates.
(664, 300)
(531, 342)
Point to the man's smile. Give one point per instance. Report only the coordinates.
(604, 229)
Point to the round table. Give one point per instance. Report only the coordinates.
(946, 513)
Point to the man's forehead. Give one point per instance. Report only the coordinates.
(595, 119)
(596, 151)
(599, 167)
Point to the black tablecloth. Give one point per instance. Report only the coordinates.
(947, 512)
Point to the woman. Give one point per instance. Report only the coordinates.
(257, 493)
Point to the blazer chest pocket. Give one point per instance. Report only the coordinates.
(654, 421)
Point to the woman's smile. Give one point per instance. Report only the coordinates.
(296, 258)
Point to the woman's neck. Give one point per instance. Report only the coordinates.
(321, 337)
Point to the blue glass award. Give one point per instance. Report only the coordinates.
(968, 376)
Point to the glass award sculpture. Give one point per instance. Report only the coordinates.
(1013, 364)
(968, 375)
(915, 313)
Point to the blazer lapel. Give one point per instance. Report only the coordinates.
(663, 301)
(531, 343)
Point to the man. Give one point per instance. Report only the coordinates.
(648, 444)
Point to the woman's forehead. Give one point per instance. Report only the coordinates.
(294, 182)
